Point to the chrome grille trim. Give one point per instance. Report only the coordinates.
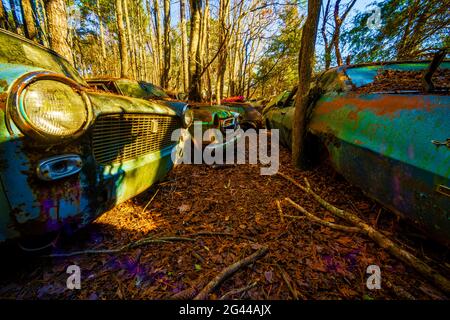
(120, 137)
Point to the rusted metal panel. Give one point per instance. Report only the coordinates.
(28, 204)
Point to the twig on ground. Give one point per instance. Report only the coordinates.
(225, 234)
(150, 201)
(228, 272)
(119, 249)
(400, 292)
(287, 280)
(233, 292)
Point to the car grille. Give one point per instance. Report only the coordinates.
(121, 137)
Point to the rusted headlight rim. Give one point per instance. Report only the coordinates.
(190, 115)
(13, 106)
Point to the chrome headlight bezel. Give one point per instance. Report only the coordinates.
(16, 108)
(187, 117)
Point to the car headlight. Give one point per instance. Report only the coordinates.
(51, 110)
(188, 117)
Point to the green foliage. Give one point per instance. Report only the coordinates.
(279, 66)
(408, 29)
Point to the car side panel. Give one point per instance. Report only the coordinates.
(382, 144)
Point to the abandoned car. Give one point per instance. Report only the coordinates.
(209, 117)
(385, 134)
(249, 117)
(69, 154)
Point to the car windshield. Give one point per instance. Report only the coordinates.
(14, 50)
(396, 77)
(153, 90)
(142, 90)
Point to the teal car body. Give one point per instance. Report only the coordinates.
(393, 144)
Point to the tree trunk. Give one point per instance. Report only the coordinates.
(3, 17)
(103, 62)
(158, 31)
(194, 56)
(57, 28)
(327, 45)
(338, 21)
(43, 25)
(222, 63)
(184, 46)
(123, 48)
(16, 20)
(166, 70)
(28, 19)
(131, 40)
(305, 67)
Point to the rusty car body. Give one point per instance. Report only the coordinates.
(249, 117)
(385, 135)
(68, 154)
(204, 115)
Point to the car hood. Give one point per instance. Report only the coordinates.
(206, 113)
(112, 103)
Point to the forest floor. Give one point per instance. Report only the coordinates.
(304, 261)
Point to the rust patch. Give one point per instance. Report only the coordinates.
(379, 104)
(3, 97)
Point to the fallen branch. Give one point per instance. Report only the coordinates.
(148, 203)
(398, 291)
(439, 280)
(119, 249)
(280, 210)
(228, 272)
(320, 221)
(225, 234)
(231, 293)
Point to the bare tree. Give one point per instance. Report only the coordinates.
(166, 67)
(334, 43)
(305, 67)
(58, 28)
(338, 20)
(131, 39)
(28, 19)
(3, 17)
(224, 12)
(158, 31)
(123, 48)
(184, 45)
(102, 38)
(16, 20)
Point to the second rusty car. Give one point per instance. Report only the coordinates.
(204, 116)
(68, 154)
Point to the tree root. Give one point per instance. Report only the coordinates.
(228, 272)
(439, 280)
(320, 221)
